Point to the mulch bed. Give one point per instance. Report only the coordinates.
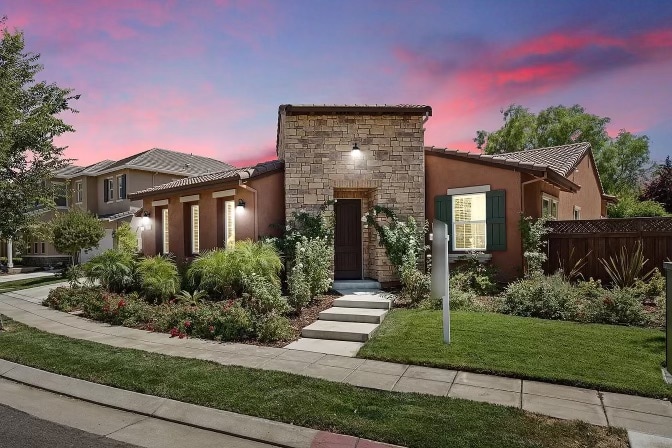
(307, 316)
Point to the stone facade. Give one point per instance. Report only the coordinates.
(316, 146)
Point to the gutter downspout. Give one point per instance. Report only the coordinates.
(256, 207)
(522, 190)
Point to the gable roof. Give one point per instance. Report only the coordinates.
(556, 162)
(156, 160)
(234, 174)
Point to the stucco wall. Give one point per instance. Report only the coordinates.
(443, 173)
(589, 197)
(269, 207)
(317, 150)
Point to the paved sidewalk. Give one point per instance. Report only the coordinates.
(150, 421)
(27, 275)
(641, 414)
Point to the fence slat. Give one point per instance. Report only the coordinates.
(603, 238)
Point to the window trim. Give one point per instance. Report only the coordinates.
(110, 189)
(577, 217)
(79, 192)
(454, 223)
(165, 231)
(120, 178)
(551, 200)
(195, 217)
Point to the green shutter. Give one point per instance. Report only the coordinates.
(495, 216)
(443, 211)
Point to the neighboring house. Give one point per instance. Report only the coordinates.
(481, 197)
(104, 188)
(363, 156)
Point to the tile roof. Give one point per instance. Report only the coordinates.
(419, 109)
(210, 178)
(155, 159)
(560, 159)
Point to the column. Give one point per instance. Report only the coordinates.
(10, 254)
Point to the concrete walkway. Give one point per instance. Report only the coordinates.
(640, 414)
(15, 277)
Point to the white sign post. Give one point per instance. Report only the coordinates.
(440, 274)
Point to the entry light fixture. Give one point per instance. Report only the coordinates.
(241, 204)
(356, 152)
(145, 218)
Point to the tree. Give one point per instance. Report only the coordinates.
(75, 231)
(628, 206)
(125, 239)
(28, 125)
(621, 161)
(659, 188)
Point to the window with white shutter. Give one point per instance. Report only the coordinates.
(164, 223)
(229, 223)
(195, 240)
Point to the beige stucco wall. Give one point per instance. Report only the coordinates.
(588, 198)
(317, 148)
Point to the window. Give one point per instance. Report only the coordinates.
(59, 194)
(35, 248)
(121, 186)
(577, 212)
(109, 189)
(43, 247)
(195, 240)
(229, 223)
(549, 206)
(469, 222)
(79, 192)
(164, 224)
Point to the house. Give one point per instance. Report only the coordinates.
(103, 189)
(481, 197)
(363, 156)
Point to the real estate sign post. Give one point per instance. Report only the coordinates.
(440, 274)
(668, 317)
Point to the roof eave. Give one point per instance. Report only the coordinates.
(290, 109)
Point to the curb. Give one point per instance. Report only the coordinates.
(257, 429)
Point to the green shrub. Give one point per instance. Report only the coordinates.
(71, 299)
(473, 276)
(299, 288)
(651, 290)
(618, 306)
(274, 328)
(547, 297)
(316, 256)
(459, 300)
(191, 298)
(533, 233)
(416, 287)
(222, 272)
(125, 239)
(159, 279)
(222, 321)
(630, 207)
(113, 269)
(263, 297)
(16, 260)
(626, 267)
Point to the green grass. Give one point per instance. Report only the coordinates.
(15, 285)
(413, 420)
(605, 357)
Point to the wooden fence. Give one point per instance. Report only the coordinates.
(569, 241)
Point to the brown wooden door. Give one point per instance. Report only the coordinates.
(348, 239)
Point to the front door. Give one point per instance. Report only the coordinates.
(348, 239)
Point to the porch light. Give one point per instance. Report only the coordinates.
(145, 219)
(241, 204)
(356, 152)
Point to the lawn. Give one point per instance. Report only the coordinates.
(413, 420)
(15, 285)
(605, 357)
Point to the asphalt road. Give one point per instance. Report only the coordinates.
(21, 430)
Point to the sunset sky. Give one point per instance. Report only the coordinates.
(207, 76)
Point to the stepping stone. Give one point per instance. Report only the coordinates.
(341, 348)
(339, 331)
(362, 301)
(365, 315)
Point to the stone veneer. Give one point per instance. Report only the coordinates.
(316, 147)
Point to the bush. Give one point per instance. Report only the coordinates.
(70, 299)
(547, 297)
(618, 306)
(125, 239)
(115, 270)
(263, 297)
(274, 328)
(474, 277)
(631, 207)
(299, 288)
(158, 276)
(416, 287)
(223, 321)
(222, 272)
(650, 291)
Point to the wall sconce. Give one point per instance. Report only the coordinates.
(241, 204)
(356, 152)
(145, 219)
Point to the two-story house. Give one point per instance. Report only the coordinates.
(103, 188)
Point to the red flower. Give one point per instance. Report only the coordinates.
(174, 332)
(211, 328)
(121, 303)
(182, 335)
(187, 324)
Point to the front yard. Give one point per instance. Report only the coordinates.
(605, 357)
(412, 420)
(15, 285)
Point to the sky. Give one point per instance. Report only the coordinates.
(207, 76)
